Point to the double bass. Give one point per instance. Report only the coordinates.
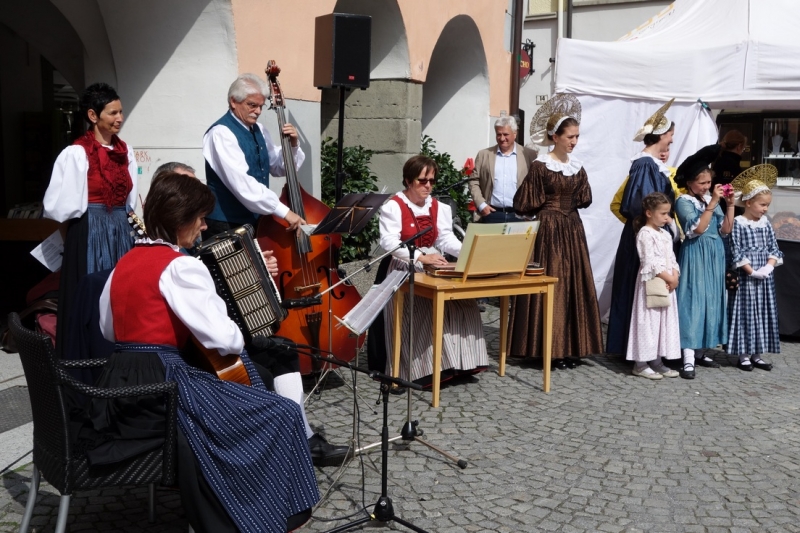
(306, 262)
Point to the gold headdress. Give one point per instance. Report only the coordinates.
(753, 181)
(550, 116)
(657, 124)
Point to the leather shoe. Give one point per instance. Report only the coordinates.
(325, 454)
(559, 364)
(687, 372)
(763, 365)
(708, 363)
(746, 367)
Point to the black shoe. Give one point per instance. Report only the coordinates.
(747, 367)
(570, 362)
(708, 363)
(560, 364)
(325, 454)
(687, 372)
(763, 365)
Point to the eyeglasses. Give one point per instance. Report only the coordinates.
(425, 181)
(252, 105)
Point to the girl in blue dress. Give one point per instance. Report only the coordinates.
(753, 310)
(701, 293)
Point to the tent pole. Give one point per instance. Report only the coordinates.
(560, 19)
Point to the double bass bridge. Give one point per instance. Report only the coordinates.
(306, 288)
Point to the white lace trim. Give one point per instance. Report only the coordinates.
(570, 168)
(148, 240)
(696, 202)
(762, 222)
(662, 167)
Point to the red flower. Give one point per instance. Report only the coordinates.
(469, 166)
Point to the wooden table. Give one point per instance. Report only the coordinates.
(439, 290)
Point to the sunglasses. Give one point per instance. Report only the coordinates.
(425, 181)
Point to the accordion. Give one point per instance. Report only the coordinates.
(242, 281)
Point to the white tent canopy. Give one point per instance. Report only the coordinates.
(729, 53)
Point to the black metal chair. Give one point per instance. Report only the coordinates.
(54, 456)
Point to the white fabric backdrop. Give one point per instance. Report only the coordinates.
(605, 148)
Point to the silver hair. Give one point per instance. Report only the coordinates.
(172, 166)
(506, 121)
(245, 85)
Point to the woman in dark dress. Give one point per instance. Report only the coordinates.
(648, 174)
(92, 189)
(555, 188)
(243, 456)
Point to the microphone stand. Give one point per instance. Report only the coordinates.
(383, 511)
(410, 431)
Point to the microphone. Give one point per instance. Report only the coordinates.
(306, 301)
(261, 343)
(456, 184)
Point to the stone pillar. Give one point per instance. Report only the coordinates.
(385, 118)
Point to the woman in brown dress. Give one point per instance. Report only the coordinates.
(556, 187)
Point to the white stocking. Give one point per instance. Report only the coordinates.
(291, 386)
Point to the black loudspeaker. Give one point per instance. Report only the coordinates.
(341, 50)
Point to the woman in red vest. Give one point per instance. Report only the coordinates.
(91, 191)
(403, 216)
(238, 446)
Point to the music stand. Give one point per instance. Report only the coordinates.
(349, 216)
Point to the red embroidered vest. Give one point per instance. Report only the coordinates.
(109, 180)
(411, 224)
(141, 314)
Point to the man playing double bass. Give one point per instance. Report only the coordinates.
(240, 156)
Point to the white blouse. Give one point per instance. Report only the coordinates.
(221, 151)
(391, 224)
(187, 287)
(67, 195)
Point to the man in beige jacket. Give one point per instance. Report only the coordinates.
(499, 170)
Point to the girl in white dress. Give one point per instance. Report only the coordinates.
(654, 332)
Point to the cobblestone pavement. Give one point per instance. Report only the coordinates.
(603, 451)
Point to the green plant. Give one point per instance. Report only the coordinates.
(358, 178)
(449, 175)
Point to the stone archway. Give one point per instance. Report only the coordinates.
(455, 102)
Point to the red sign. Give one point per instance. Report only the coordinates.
(524, 64)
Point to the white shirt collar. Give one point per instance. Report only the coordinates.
(237, 119)
(513, 152)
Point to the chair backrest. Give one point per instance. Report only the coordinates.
(51, 443)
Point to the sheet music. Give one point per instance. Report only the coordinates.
(364, 313)
(49, 252)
